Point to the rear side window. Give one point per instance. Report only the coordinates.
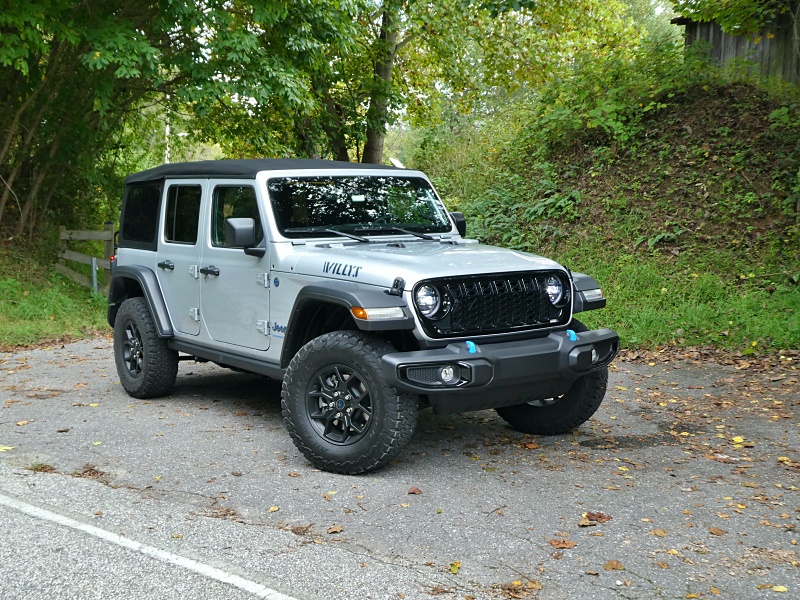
(233, 201)
(183, 214)
(140, 216)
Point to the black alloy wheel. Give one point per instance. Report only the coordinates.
(340, 404)
(132, 354)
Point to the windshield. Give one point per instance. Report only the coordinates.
(365, 204)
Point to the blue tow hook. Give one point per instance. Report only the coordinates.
(471, 347)
(573, 337)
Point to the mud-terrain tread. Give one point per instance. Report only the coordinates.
(400, 410)
(160, 364)
(575, 407)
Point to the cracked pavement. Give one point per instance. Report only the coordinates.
(696, 463)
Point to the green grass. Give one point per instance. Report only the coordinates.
(653, 301)
(37, 304)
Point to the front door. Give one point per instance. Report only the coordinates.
(179, 255)
(234, 297)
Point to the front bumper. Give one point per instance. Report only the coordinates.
(465, 376)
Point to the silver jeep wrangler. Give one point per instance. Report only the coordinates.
(354, 285)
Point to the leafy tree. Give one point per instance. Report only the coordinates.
(71, 73)
(741, 17)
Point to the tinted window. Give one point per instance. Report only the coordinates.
(183, 213)
(140, 217)
(364, 203)
(233, 201)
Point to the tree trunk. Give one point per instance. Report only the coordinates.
(378, 112)
(34, 192)
(333, 129)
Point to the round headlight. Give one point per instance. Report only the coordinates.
(555, 290)
(428, 300)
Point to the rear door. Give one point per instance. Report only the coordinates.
(178, 254)
(234, 297)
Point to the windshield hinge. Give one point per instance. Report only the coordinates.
(262, 279)
(398, 286)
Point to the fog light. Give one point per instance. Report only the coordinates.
(595, 356)
(448, 374)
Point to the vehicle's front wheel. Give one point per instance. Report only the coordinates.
(338, 408)
(146, 366)
(553, 416)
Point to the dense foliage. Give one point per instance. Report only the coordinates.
(672, 181)
(584, 131)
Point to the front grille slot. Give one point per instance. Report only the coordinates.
(499, 303)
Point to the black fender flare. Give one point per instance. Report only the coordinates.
(148, 282)
(347, 295)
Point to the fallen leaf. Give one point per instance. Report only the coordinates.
(335, 529)
(779, 588)
(598, 516)
(295, 474)
(714, 590)
(613, 565)
(595, 573)
(563, 544)
(273, 509)
(177, 536)
(454, 567)
(717, 531)
(659, 532)
(584, 522)
(531, 446)
(663, 565)
(534, 584)
(415, 490)
(21, 423)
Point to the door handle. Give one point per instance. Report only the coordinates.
(166, 264)
(210, 270)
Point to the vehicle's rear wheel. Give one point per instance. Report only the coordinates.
(553, 416)
(146, 366)
(338, 408)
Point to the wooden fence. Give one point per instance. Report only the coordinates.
(106, 235)
(775, 50)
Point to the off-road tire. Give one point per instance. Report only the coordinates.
(344, 362)
(147, 368)
(560, 415)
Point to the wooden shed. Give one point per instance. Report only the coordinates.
(776, 50)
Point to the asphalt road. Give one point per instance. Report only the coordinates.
(202, 495)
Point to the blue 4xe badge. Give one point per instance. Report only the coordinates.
(342, 269)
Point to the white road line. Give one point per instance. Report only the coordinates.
(203, 569)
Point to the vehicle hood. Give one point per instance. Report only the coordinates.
(380, 263)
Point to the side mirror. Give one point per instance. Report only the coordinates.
(461, 223)
(240, 232)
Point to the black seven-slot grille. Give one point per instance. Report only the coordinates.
(499, 303)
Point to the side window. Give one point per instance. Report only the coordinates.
(140, 214)
(183, 213)
(233, 201)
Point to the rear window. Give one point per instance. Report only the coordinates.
(140, 216)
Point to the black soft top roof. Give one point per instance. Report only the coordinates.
(241, 169)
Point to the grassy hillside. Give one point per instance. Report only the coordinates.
(38, 305)
(690, 223)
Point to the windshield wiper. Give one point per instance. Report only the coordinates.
(424, 236)
(352, 236)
